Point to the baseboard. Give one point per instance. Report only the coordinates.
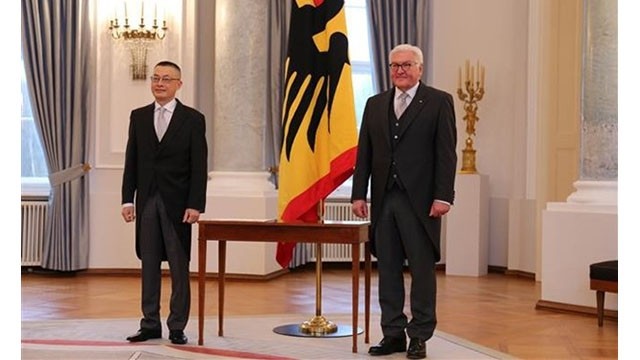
(42, 271)
(574, 309)
(494, 269)
(136, 273)
(231, 276)
(247, 277)
(520, 273)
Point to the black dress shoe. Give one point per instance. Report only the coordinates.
(144, 335)
(388, 345)
(417, 349)
(178, 337)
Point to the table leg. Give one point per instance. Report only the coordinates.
(355, 271)
(222, 258)
(202, 268)
(367, 290)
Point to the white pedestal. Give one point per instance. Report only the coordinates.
(467, 227)
(575, 234)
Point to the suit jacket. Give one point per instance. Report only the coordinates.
(175, 168)
(424, 155)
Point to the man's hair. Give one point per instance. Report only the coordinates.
(170, 64)
(407, 47)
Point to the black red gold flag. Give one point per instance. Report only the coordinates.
(319, 123)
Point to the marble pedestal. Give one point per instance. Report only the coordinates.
(246, 196)
(575, 234)
(467, 227)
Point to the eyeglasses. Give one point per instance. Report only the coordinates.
(405, 66)
(164, 79)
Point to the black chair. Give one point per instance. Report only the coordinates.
(604, 278)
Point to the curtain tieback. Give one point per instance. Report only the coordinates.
(68, 174)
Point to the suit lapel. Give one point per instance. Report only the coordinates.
(387, 103)
(147, 126)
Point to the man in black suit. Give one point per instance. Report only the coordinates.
(407, 148)
(166, 170)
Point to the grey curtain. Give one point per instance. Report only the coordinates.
(56, 48)
(392, 23)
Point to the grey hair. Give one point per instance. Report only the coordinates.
(407, 47)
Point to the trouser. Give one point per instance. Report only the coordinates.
(400, 235)
(158, 237)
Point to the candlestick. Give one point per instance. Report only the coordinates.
(142, 14)
(466, 71)
(470, 94)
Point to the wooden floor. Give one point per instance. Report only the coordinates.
(496, 311)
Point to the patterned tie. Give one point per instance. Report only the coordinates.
(161, 123)
(402, 104)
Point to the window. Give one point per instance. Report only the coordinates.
(361, 69)
(34, 174)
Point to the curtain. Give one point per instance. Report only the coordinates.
(392, 23)
(56, 48)
(280, 14)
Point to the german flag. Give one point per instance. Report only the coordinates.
(319, 123)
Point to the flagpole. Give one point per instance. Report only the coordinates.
(319, 325)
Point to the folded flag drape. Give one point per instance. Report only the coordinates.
(318, 117)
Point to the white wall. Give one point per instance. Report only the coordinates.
(495, 33)
(462, 29)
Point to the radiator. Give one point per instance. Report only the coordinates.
(34, 214)
(337, 211)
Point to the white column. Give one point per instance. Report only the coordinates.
(239, 184)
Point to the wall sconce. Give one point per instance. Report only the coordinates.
(138, 39)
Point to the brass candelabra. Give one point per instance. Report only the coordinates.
(472, 93)
(138, 39)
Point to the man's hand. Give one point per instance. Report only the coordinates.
(128, 213)
(191, 216)
(359, 208)
(438, 209)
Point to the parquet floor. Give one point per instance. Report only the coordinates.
(496, 311)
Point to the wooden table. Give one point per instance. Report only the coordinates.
(346, 232)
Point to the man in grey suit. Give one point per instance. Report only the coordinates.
(166, 170)
(407, 149)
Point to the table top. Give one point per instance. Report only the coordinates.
(269, 230)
